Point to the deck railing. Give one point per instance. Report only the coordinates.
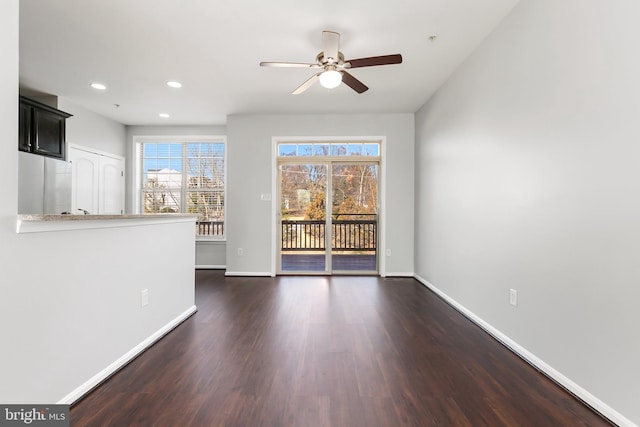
(346, 235)
(210, 228)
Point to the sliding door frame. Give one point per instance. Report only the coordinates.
(275, 191)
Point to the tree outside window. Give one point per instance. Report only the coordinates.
(186, 177)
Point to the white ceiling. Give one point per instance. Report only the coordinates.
(214, 48)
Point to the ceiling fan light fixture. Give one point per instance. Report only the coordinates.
(330, 79)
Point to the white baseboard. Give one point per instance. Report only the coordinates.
(398, 274)
(248, 274)
(210, 267)
(94, 381)
(533, 360)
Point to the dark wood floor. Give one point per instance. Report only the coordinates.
(327, 351)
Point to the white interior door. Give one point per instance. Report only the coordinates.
(98, 182)
(85, 180)
(111, 186)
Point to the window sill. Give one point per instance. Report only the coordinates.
(210, 240)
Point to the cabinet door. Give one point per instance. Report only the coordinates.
(49, 129)
(24, 130)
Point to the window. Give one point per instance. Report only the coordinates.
(333, 149)
(185, 177)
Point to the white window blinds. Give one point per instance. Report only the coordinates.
(185, 177)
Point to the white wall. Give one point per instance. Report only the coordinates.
(8, 134)
(73, 302)
(69, 302)
(9, 256)
(250, 173)
(211, 254)
(528, 177)
(92, 130)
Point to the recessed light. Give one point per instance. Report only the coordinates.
(98, 86)
(174, 84)
(164, 115)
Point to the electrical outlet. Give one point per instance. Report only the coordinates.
(388, 252)
(144, 297)
(513, 297)
(240, 252)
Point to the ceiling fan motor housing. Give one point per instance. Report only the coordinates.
(321, 60)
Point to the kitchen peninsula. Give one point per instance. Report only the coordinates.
(108, 285)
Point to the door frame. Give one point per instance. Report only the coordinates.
(327, 220)
(275, 191)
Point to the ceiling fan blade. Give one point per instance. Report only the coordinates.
(353, 83)
(375, 60)
(307, 84)
(289, 65)
(330, 45)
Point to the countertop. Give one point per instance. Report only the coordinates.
(74, 217)
(41, 223)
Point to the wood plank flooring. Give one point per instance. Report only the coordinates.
(327, 351)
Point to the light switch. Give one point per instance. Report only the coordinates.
(144, 297)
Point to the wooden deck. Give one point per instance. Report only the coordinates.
(339, 262)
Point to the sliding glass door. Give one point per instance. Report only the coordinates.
(303, 218)
(328, 213)
(354, 217)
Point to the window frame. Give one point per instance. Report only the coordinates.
(138, 201)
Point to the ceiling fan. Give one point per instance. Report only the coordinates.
(333, 66)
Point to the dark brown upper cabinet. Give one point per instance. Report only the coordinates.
(42, 129)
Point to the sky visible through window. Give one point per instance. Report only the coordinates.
(162, 156)
(159, 156)
(328, 149)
